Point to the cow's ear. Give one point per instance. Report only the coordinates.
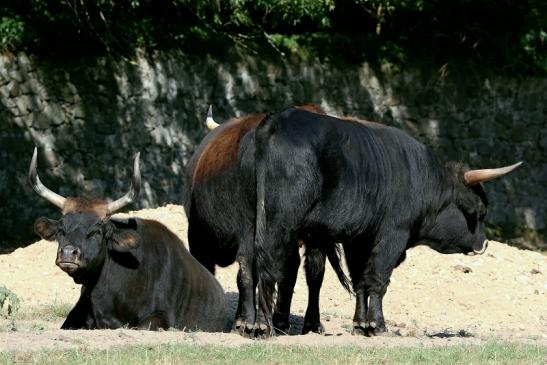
(46, 228)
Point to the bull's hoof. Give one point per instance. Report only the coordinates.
(281, 324)
(244, 329)
(369, 328)
(374, 329)
(262, 331)
(314, 326)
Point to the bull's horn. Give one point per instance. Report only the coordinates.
(38, 187)
(210, 122)
(133, 191)
(474, 177)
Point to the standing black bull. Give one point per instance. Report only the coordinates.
(373, 188)
(220, 204)
(134, 272)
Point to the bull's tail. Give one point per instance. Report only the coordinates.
(267, 271)
(334, 256)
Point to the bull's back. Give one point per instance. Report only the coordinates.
(349, 171)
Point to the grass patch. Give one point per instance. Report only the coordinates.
(49, 312)
(490, 353)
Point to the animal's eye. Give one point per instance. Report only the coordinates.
(482, 213)
(471, 219)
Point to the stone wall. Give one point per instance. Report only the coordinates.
(90, 116)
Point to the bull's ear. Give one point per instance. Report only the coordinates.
(124, 240)
(126, 243)
(46, 228)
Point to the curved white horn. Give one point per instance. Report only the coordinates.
(474, 177)
(210, 122)
(133, 191)
(38, 187)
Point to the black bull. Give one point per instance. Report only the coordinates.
(373, 188)
(133, 272)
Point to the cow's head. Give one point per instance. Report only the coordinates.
(85, 232)
(458, 226)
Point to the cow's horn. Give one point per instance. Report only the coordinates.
(133, 191)
(38, 187)
(210, 122)
(474, 177)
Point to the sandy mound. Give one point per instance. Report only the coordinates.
(501, 294)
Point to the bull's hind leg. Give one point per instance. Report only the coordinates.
(285, 290)
(356, 259)
(384, 257)
(246, 284)
(315, 271)
(154, 322)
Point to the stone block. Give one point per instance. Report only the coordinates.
(24, 105)
(14, 90)
(40, 120)
(54, 113)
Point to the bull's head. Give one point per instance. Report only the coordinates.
(85, 232)
(458, 226)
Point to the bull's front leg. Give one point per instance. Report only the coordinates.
(80, 317)
(385, 256)
(246, 284)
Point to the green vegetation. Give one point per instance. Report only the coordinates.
(9, 302)
(507, 36)
(493, 353)
(9, 306)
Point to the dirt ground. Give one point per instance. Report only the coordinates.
(433, 300)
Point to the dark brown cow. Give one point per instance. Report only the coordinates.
(134, 272)
(220, 205)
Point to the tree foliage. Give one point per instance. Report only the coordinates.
(504, 35)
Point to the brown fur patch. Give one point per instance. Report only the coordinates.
(312, 108)
(85, 205)
(221, 151)
(127, 239)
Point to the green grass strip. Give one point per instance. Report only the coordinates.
(490, 353)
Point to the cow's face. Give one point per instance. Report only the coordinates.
(458, 226)
(84, 241)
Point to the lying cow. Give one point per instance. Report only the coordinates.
(220, 206)
(134, 272)
(372, 187)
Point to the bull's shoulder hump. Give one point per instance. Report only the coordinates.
(220, 151)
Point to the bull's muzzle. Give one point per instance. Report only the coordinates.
(68, 267)
(480, 251)
(68, 258)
